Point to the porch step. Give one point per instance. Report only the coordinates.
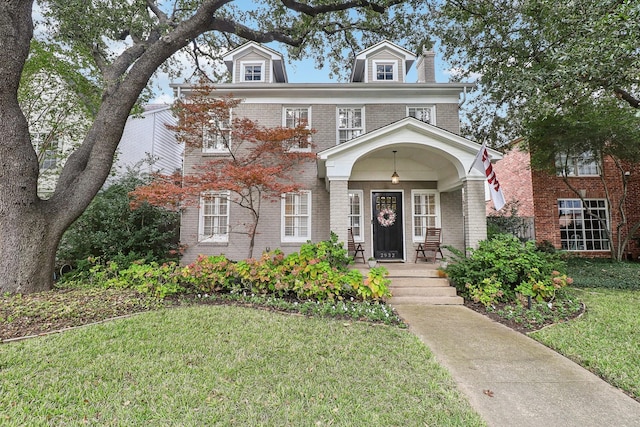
(413, 300)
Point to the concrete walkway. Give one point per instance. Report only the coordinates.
(512, 380)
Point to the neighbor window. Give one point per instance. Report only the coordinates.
(48, 151)
(298, 116)
(296, 216)
(425, 114)
(583, 226)
(214, 217)
(425, 212)
(253, 72)
(350, 123)
(355, 214)
(584, 164)
(384, 71)
(216, 135)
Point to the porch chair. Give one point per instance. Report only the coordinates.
(432, 241)
(354, 247)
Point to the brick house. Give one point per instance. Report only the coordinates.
(366, 129)
(561, 217)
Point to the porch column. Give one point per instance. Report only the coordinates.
(475, 213)
(339, 208)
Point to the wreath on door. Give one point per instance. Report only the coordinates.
(386, 217)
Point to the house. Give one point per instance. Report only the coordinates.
(147, 142)
(561, 217)
(368, 129)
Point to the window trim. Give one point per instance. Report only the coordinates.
(356, 237)
(436, 194)
(393, 63)
(248, 63)
(575, 164)
(214, 238)
(283, 216)
(205, 131)
(583, 241)
(424, 107)
(362, 122)
(284, 124)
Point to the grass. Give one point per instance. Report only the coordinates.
(605, 339)
(227, 365)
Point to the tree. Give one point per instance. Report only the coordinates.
(258, 167)
(533, 57)
(118, 46)
(602, 129)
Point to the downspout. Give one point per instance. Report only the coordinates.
(464, 97)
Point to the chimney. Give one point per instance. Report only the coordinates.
(426, 68)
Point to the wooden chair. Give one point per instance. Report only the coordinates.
(432, 241)
(354, 247)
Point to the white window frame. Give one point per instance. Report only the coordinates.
(300, 219)
(394, 64)
(430, 108)
(243, 71)
(359, 130)
(220, 146)
(575, 238)
(358, 234)
(583, 164)
(421, 220)
(285, 123)
(215, 197)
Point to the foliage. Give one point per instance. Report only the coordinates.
(507, 221)
(532, 58)
(260, 166)
(543, 288)
(540, 314)
(500, 265)
(111, 229)
(603, 273)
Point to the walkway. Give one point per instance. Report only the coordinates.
(512, 380)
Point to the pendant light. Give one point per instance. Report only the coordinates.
(395, 178)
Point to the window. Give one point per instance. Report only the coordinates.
(355, 214)
(584, 164)
(425, 212)
(253, 72)
(425, 114)
(583, 227)
(298, 116)
(48, 151)
(384, 71)
(296, 217)
(216, 135)
(214, 217)
(350, 123)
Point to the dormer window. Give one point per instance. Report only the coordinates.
(385, 72)
(253, 71)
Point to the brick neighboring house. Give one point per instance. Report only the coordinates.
(560, 216)
(366, 129)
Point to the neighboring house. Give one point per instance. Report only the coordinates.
(366, 130)
(147, 143)
(561, 217)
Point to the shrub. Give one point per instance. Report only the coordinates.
(505, 260)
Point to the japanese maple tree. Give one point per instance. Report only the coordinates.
(257, 165)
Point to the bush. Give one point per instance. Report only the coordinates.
(495, 270)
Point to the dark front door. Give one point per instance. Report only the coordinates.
(387, 225)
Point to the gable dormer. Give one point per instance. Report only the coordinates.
(383, 62)
(254, 63)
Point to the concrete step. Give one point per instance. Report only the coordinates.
(418, 281)
(421, 291)
(413, 300)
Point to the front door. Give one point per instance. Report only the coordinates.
(388, 230)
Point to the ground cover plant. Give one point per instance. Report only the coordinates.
(603, 273)
(604, 339)
(225, 365)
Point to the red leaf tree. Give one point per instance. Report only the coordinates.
(256, 165)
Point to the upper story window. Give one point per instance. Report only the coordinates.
(214, 217)
(298, 116)
(253, 71)
(385, 71)
(216, 135)
(423, 113)
(584, 164)
(350, 123)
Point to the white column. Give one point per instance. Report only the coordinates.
(339, 208)
(475, 213)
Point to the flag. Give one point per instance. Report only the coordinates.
(482, 162)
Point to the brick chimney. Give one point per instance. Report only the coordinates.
(426, 67)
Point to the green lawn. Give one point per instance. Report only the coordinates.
(226, 365)
(606, 339)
